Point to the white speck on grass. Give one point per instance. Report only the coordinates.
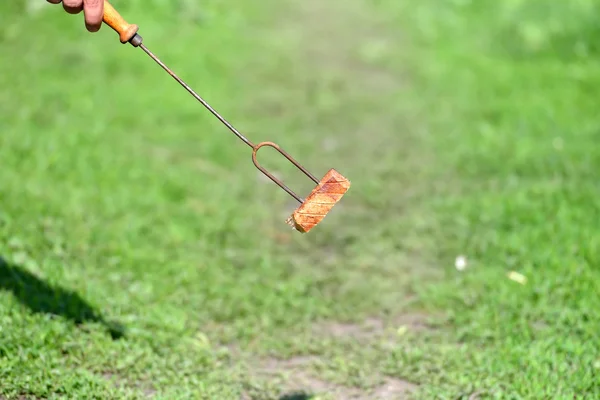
(517, 277)
(460, 263)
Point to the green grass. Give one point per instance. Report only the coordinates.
(143, 256)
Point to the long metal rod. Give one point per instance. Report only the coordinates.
(200, 99)
(254, 147)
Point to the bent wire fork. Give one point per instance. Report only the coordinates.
(319, 202)
(277, 181)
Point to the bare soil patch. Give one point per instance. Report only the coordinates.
(374, 328)
(298, 377)
(299, 382)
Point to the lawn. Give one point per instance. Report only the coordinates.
(143, 255)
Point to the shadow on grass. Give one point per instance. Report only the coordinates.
(43, 298)
(296, 396)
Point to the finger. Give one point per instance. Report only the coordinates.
(54, 1)
(94, 11)
(73, 6)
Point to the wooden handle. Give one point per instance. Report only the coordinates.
(113, 19)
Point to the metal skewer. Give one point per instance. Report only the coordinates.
(327, 192)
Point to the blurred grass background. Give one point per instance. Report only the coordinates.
(144, 255)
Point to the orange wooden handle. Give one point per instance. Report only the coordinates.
(113, 19)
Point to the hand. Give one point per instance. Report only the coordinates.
(93, 11)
